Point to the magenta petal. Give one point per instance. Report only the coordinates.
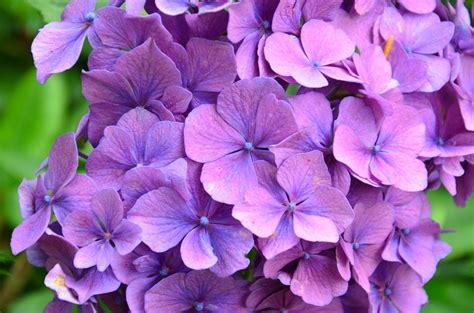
(30, 230)
(285, 54)
(208, 137)
(230, 260)
(212, 65)
(419, 6)
(98, 253)
(62, 163)
(274, 121)
(260, 212)
(300, 174)
(328, 202)
(57, 47)
(281, 240)
(81, 228)
(228, 178)
(317, 280)
(351, 151)
(401, 171)
(330, 46)
(246, 56)
(238, 104)
(126, 237)
(197, 251)
(164, 218)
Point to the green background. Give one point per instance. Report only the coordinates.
(32, 115)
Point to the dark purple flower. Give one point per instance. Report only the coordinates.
(249, 116)
(138, 139)
(209, 67)
(311, 58)
(250, 22)
(268, 295)
(141, 269)
(362, 243)
(73, 285)
(295, 202)
(466, 90)
(314, 118)
(101, 231)
(204, 227)
(141, 180)
(421, 36)
(385, 154)
(396, 288)
(120, 32)
(144, 77)
(59, 190)
(197, 291)
(311, 271)
(58, 45)
(176, 7)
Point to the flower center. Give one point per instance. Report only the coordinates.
(265, 24)
(406, 231)
(387, 291)
(48, 199)
(248, 146)
(204, 221)
(199, 306)
(291, 206)
(90, 17)
(355, 245)
(306, 256)
(440, 141)
(107, 236)
(316, 64)
(164, 271)
(376, 149)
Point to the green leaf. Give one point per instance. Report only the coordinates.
(32, 302)
(50, 9)
(292, 89)
(459, 220)
(33, 117)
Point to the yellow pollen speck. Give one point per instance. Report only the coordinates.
(388, 46)
(60, 281)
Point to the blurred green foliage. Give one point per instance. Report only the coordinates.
(33, 115)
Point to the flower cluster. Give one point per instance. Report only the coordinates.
(260, 156)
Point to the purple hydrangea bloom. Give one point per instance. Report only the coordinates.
(144, 77)
(362, 243)
(315, 120)
(138, 139)
(198, 291)
(141, 269)
(315, 278)
(208, 67)
(466, 91)
(310, 60)
(396, 287)
(72, 285)
(186, 26)
(176, 7)
(204, 227)
(250, 22)
(421, 36)
(295, 202)
(101, 231)
(385, 154)
(58, 45)
(60, 190)
(120, 32)
(141, 180)
(249, 117)
(268, 295)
